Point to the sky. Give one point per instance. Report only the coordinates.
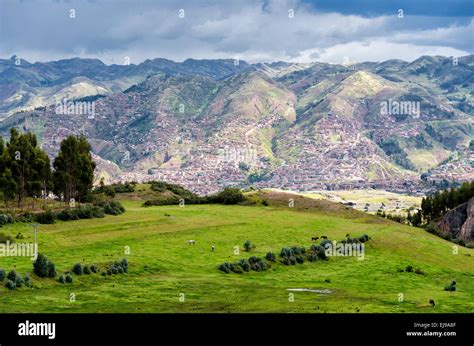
(334, 31)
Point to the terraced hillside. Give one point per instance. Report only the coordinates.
(206, 124)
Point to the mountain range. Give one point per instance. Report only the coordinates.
(206, 124)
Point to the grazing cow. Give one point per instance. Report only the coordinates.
(213, 248)
(324, 237)
(432, 302)
(191, 242)
(314, 238)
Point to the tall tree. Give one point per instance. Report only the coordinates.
(74, 169)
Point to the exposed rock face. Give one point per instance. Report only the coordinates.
(459, 222)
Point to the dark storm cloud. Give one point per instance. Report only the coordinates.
(245, 29)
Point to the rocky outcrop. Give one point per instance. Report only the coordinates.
(459, 222)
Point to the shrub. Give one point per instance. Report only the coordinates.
(298, 250)
(40, 266)
(312, 257)
(19, 236)
(253, 259)
(67, 215)
(10, 285)
(62, 279)
(120, 270)
(86, 270)
(103, 274)
(109, 272)
(292, 260)
(113, 208)
(77, 269)
(2, 274)
(25, 217)
(364, 238)
(245, 265)
(94, 268)
(322, 253)
(236, 268)
(12, 275)
(27, 280)
(5, 218)
(47, 217)
(124, 264)
(114, 270)
(19, 281)
(270, 256)
(98, 212)
(286, 252)
(68, 278)
(300, 259)
(409, 269)
(225, 267)
(51, 270)
(285, 261)
(229, 196)
(248, 246)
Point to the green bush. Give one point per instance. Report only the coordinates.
(40, 266)
(285, 261)
(236, 268)
(62, 279)
(19, 281)
(86, 270)
(77, 269)
(12, 275)
(113, 208)
(51, 270)
(94, 268)
(124, 264)
(245, 265)
(312, 257)
(27, 280)
(68, 278)
(10, 285)
(300, 259)
(225, 267)
(228, 196)
(25, 217)
(270, 256)
(409, 269)
(47, 217)
(292, 260)
(247, 245)
(286, 252)
(5, 218)
(2, 274)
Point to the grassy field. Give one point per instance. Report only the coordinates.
(164, 268)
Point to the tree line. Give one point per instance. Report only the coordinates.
(26, 170)
(435, 206)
